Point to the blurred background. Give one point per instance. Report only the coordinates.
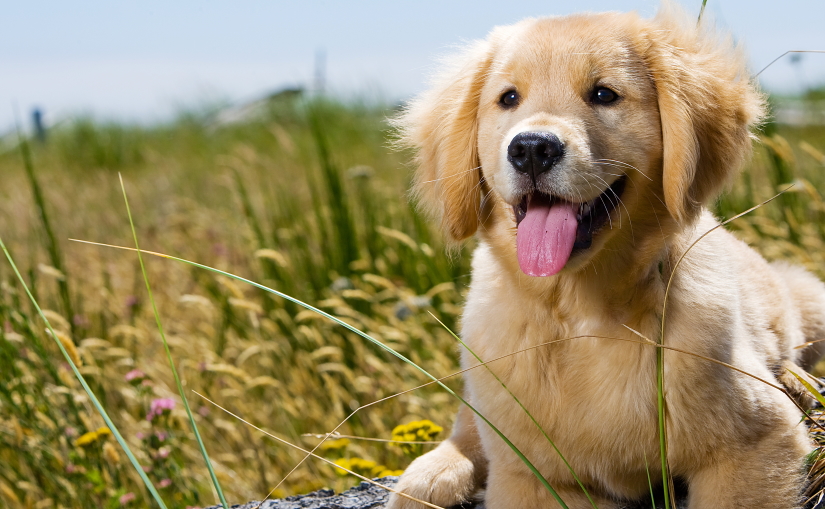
(145, 61)
(253, 137)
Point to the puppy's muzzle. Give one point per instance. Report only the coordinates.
(534, 153)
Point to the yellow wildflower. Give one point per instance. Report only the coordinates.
(86, 439)
(361, 466)
(345, 465)
(335, 445)
(416, 431)
(92, 437)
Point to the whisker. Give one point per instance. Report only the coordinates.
(625, 165)
(612, 174)
(601, 198)
(629, 217)
(483, 203)
(619, 202)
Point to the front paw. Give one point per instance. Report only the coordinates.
(443, 477)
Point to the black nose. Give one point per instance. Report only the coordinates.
(534, 153)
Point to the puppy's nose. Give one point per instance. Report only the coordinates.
(534, 153)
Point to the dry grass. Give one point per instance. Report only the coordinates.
(306, 199)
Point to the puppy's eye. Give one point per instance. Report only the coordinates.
(509, 99)
(604, 95)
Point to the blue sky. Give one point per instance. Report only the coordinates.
(144, 60)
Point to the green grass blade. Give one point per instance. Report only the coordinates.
(82, 380)
(549, 440)
(372, 340)
(660, 407)
(169, 355)
(815, 393)
(702, 11)
(660, 359)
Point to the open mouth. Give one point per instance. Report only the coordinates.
(551, 230)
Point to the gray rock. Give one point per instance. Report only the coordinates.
(369, 496)
(363, 496)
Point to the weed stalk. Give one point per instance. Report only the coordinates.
(169, 355)
(52, 246)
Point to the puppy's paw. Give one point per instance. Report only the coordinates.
(443, 477)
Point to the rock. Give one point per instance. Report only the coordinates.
(369, 496)
(363, 496)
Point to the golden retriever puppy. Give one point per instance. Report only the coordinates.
(581, 151)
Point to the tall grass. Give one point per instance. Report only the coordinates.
(305, 199)
(238, 197)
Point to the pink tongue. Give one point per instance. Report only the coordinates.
(545, 237)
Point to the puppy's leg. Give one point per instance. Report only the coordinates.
(808, 294)
(795, 388)
(515, 487)
(450, 473)
(767, 474)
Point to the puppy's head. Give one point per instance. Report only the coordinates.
(570, 127)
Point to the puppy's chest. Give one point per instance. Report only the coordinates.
(563, 363)
(586, 380)
(554, 344)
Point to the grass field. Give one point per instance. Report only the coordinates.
(305, 198)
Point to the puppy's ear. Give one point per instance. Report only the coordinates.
(708, 105)
(441, 126)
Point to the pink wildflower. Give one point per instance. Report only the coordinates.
(158, 407)
(165, 483)
(126, 498)
(135, 376)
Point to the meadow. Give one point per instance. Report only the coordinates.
(305, 197)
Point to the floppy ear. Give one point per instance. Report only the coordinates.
(441, 126)
(708, 104)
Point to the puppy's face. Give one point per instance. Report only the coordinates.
(568, 124)
(585, 135)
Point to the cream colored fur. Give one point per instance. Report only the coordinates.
(679, 133)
